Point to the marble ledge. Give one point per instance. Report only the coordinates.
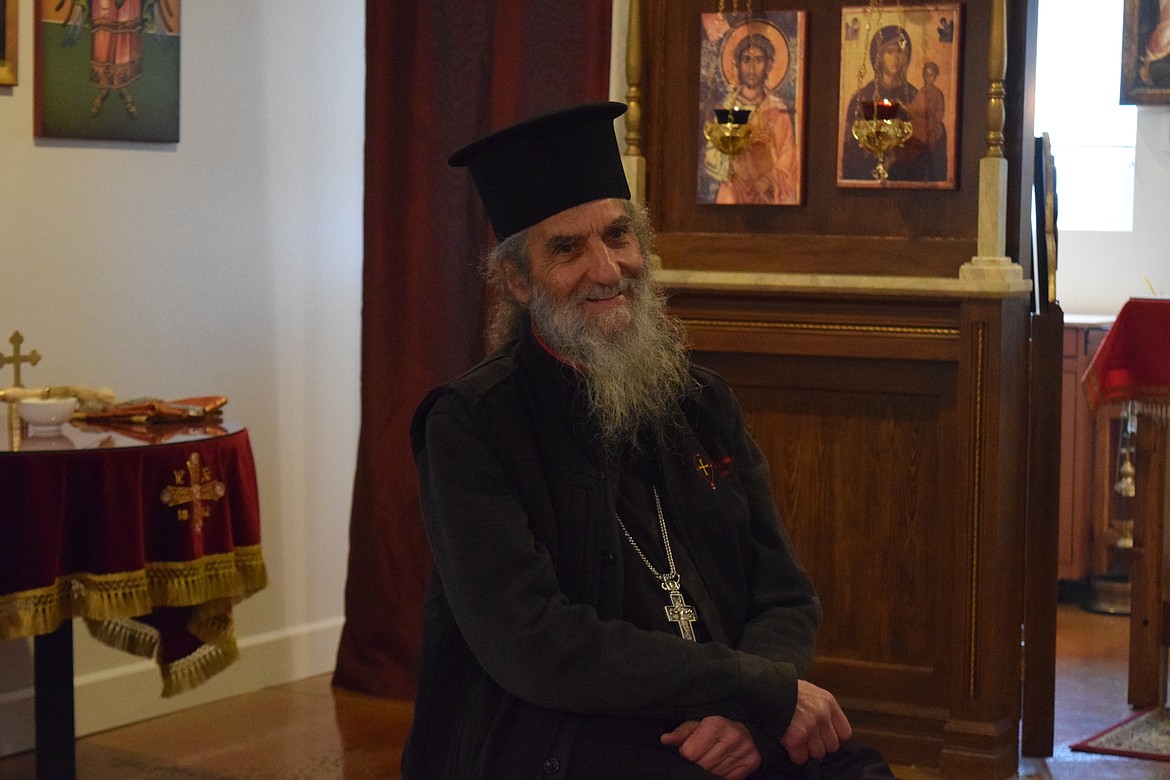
(971, 285)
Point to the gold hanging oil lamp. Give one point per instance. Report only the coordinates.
(877, 128)
(1126, 485)
(729, 132)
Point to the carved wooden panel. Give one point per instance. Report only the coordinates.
(895, 432)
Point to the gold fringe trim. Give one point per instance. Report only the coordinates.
(212, 620)
(96, 596)
(197, 668)
(237, 574)
(125, 634)
(211, 623)
(104, 597)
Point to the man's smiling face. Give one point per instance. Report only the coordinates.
(586, 257)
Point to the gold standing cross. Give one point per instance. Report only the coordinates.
(32, 358)
(203, 487)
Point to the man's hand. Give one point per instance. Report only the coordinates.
(723, 747)
(818, 726)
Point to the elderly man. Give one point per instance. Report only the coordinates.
(614, 593)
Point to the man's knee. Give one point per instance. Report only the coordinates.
(851, 761)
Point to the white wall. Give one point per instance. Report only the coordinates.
(1098, 272)
(229, 263)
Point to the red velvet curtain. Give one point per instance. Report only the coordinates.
(439, 74)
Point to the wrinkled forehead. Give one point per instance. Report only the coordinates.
(586, 219)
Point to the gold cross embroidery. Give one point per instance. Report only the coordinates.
(203, 488)
(704, 467)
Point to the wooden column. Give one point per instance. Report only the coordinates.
(1147, 620)
(1041, 552)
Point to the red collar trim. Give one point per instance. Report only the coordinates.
(552, 352)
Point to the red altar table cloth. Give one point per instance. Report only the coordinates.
(152, 543)
(1133, 361)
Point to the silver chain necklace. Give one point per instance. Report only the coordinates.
(677, 611)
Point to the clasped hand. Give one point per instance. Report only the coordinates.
(817, 727)
(722, 746)
(725, 747)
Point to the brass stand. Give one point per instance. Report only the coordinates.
(15, 428)
(1110, 593)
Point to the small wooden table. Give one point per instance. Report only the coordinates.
(1133, 364)
(151, 534)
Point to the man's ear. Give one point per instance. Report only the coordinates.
(519, 284)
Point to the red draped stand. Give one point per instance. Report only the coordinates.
(150, 535)
(1132, 365)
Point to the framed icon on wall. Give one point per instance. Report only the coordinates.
(9, 32)
(107, 71)
(1145, 52)
(754, 67)
(907, 58)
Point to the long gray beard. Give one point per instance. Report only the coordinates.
(634, 360)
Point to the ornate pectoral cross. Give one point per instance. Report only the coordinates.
(679, 611)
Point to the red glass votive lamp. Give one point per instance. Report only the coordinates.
(882, 109)
(733, 116)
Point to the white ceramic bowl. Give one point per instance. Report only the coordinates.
(47, 411)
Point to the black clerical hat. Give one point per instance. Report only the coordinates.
(542, 166)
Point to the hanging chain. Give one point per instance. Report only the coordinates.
(735, 6)
(878, 6)
(671, 575)
(678, 610)
(865, 42)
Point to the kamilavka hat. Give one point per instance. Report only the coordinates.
(529, 171)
